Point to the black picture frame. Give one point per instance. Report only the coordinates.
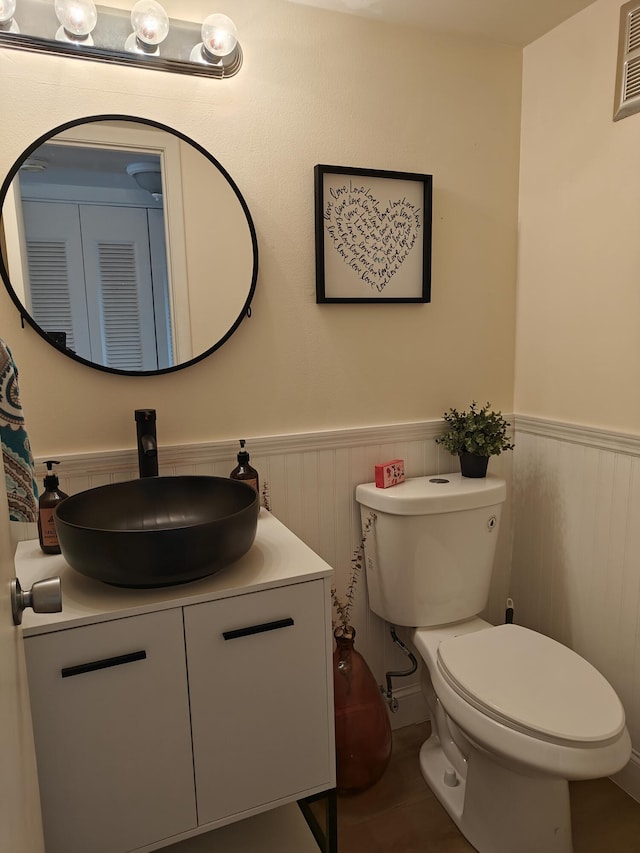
(373, 235)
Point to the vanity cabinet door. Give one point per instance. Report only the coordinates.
(258, 682)
(111, 724)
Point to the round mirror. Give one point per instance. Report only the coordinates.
(126, 245)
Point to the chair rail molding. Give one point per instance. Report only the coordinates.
(603, 439)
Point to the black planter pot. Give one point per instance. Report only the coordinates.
(472, 465)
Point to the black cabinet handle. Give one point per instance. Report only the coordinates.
(68, 671)
(258, 629)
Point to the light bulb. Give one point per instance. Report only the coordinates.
(219, 40)
(150, 27)
(78, 18)
(219, 35)
(7, 11)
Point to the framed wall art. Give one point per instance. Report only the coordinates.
(373, 235)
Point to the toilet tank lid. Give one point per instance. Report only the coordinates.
(436, 493)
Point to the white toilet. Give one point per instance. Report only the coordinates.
(514, 714)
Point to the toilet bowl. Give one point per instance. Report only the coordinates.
(514, 714)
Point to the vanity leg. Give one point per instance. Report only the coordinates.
(327, 838)
(332, 822)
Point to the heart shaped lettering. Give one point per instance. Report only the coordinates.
(372, 241)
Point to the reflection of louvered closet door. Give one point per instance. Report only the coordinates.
(90, 275)
(115, 244)
(56, 271)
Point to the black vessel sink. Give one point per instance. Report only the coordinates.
(157, 531)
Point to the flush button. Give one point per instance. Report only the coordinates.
(438, 480)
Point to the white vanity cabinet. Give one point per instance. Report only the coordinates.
(258, 707)
(161, 714)
(111, 721)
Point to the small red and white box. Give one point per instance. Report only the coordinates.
(390, 473)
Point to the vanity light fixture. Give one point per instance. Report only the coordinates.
(104, 34)
(219, 41)
(78, 19)
(7, 21)
(150, 25)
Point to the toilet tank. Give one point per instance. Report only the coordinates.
(429, 555)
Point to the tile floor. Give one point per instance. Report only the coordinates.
(401, 815)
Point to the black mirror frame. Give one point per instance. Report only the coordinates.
(246, 309)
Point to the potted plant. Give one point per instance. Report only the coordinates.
(474, 436)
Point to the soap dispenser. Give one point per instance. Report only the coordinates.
(244, 471)
(49, 500)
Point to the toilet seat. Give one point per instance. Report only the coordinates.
(532, 684)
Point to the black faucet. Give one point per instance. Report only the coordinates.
(147, 442)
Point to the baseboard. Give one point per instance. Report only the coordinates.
(412, 707)
(629, 777)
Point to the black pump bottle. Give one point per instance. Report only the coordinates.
(49, 499)
(244, 471)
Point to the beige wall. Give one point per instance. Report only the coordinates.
(576, 473)
(316, 87)
(578, 347)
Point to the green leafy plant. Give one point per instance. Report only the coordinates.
(480, 431)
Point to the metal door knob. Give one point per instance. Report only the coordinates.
(45, 596)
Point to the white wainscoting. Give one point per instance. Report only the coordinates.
(311, 481)
(576, 551)
(576, 536)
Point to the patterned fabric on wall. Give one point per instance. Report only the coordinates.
(17, 458)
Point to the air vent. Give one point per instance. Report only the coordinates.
(634, 30)
(632, 81)
(627, 98)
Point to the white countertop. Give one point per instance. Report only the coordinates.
(277, 557)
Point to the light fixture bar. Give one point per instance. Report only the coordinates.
(38, 25)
